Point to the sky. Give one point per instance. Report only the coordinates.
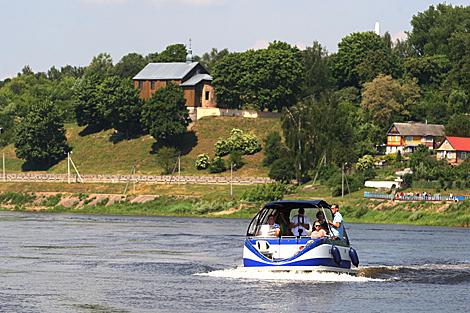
(45, 33)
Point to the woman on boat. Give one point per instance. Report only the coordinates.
(318, 231)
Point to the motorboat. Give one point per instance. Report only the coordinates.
(277, 248)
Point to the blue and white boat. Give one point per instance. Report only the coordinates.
(267, 248)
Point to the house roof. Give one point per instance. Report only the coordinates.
(196, 79)
(459, 143)
(162, 71)
(419, 129)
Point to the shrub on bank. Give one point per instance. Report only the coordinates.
(266, 192)
(202, 161)
(238, 141)
(217, 165)
(16, 198)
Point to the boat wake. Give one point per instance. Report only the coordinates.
(445, 274)
(251, 274)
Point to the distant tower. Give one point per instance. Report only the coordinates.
(377, 28)
(189, 56)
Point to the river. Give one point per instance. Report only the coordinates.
(85, 263)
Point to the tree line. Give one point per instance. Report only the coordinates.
(335, 106)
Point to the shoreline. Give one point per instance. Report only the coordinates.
(455, 215)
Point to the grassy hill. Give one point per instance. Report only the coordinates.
(97, 154)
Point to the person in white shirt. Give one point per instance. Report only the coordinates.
(271, 229)
(337, 227)
(300, 224)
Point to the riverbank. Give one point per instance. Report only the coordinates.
(354, 208)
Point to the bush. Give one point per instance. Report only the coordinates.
(52, 201)
(16, 198)
(407, 180)
(202, 161)
(238, 141)
(166, 159)
(236, 159)
(282, 170)
(222, 147)
(266, 192)
(217, 165)
(364, 163)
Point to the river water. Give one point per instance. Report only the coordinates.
(84, 263)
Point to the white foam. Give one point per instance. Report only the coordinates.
(243, 273)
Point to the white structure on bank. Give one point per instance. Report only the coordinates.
(377, 28)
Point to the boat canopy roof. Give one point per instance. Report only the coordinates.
(290, 204)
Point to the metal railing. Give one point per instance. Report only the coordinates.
(415, 197)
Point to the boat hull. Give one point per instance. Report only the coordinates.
(312, 255)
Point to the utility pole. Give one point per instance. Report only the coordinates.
(231, 179)
(179, 169)
(4, 173)
(300, 154)
(68, 167)
(342, 180)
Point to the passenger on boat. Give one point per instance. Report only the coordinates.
(322, 220)
(300, 224)
(318, 231)
(337, 227)
(271, 229)
(284, 225)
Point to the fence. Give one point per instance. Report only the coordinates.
(414, 197)
(203, 180)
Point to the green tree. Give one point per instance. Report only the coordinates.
(88, 110)
(101, 66)
(273, 148)
(165, 115)
(40, 137)
(428, 70)
(129, 65)
(166, 159)
(349, 64)
(458, 125)
(385, 100)
(459, 49)
(317, 74)
(172, 53)
(432, 28)
(282, 170)
(315, 130)
(120, 105)
(228, 80)
(209, 59)
(265, 79)
(458, 102)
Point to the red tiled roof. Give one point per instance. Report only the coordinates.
(459, 143)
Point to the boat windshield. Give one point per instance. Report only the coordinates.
(283, 215)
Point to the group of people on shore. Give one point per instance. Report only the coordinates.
(300, 225)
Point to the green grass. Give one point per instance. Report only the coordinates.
(96, 154)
